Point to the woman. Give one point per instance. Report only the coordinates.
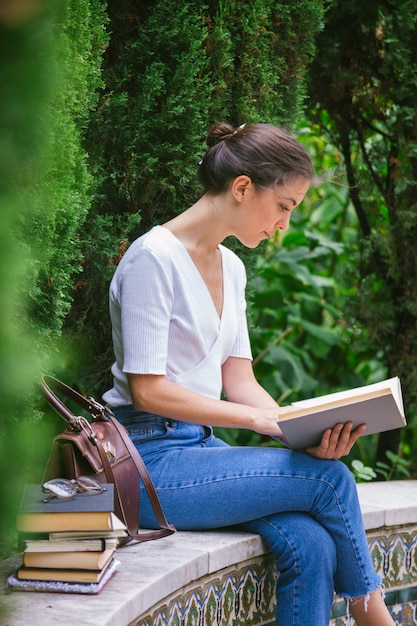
(180, 337)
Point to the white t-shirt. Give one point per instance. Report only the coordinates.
(164, 320)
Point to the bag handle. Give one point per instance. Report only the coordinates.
(94, 408)
(100, 412)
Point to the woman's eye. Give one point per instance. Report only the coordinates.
(284, 208)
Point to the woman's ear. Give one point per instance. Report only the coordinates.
(240, 187)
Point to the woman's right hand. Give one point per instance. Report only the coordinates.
(336, 442)
(267, 423)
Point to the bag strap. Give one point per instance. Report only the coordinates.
(94, 408)
(100, 412)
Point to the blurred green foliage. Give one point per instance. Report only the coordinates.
(49, 76)
(24, 39)
(362, 473)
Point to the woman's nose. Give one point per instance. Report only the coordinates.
(283, 223)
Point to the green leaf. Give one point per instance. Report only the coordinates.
(325, 335)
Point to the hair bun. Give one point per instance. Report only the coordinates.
(218, 133)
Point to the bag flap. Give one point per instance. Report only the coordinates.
(107, 434)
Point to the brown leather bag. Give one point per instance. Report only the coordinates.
(101, 447)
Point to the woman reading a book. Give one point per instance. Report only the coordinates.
(177, 304)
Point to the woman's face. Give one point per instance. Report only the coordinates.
(266, 211)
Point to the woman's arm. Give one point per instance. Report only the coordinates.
(156, 394)
(249, 406)
(240, 385)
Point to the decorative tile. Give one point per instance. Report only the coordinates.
(395, 556)
(239, 597)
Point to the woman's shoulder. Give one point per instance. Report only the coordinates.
(147, 257)
(156, 243)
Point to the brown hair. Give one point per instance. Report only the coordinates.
(266, 153)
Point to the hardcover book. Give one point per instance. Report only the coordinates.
(62, 575)
(54, 586)
(379, 406)
(84, 511)
(119, 530)
(68, 560)
(71, 545)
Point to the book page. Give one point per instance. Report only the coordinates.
(327, 403)
(385, 386)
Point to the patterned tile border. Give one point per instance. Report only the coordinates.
(395, 556)
(245, 595)
(242, 597)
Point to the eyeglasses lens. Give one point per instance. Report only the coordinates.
(64, 488)
(60, 487)
(89, 484)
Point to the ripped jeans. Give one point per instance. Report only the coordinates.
(306, 509)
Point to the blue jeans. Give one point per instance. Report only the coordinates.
(306, 509)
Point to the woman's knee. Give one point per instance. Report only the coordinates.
(337, 476)
(298, 542)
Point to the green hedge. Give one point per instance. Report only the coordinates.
(174, 67)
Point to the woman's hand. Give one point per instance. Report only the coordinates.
(266, 422)
(336, 442)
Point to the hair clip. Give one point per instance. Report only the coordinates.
(241, 127)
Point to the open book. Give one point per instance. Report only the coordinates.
(379, 406)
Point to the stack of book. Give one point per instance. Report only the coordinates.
(70, 544)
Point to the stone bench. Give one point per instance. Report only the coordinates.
(222, 577)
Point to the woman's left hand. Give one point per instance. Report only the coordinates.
(336, 442)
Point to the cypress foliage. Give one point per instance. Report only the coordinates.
(60, 196)
(174, 67)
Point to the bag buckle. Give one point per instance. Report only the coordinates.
(99, 411)
(81, 423)
(109, 449)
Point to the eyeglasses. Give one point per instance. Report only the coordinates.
(65, 488)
